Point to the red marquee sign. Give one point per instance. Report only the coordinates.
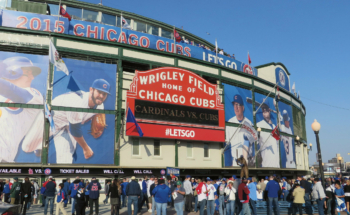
(175, 103)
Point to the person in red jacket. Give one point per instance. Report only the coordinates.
(243, 195)
(202, 193)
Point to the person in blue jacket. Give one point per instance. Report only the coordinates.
(124, 185)
(61, 198)
(65, 188)
(133, 192)
(161, 195)
(43, 197)
(94, 188)
(7, 191)
(73, 189)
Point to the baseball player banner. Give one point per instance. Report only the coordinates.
(285, 118)
(23, 78)
(238, 110)
(287, 147)
(90, 85)
(266, 115)
(268, 151)
(82, 138)
(80, 28)
(21, 135)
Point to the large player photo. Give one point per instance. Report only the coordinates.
(82, 138)
(89, 85)
(238, 110)
(268, 151)
(287, 147)
(266, 114)
(23, 79)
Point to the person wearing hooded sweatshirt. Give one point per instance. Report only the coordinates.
(26, 190)
(15, 190)
(161, 195)
(94, 188)
(73, 189)
(243, 195)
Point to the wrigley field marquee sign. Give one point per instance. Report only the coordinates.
(175, 103)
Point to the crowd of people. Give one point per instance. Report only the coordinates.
(220, 196)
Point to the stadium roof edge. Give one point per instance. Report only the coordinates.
(87, 5)
(275, 64)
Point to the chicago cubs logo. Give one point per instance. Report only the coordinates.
(162, 172)
(248, 69)
(104, 86)
(47, 171)
(282, 78)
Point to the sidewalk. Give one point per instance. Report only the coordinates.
(106, 210)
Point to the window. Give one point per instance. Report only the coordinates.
(140, 26)
(53, 9)
(156, 145)
(108, 19)
(4, 3)
(89, 15)
(167, 34)
(206, 150)
(189, 150)
(152, 30)
(135, 147)
(75, 13)
(119, 20)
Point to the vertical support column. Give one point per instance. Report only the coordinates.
(254, 122)
(118, 123)
(44, 152)
(176, 153)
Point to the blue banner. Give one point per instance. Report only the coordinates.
(282, 78)
(40, 22)
(174, 171)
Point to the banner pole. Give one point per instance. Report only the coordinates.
(216, 50)
(58, 17)
(254, 112)
(174, 41)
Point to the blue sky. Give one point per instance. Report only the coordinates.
(311, 38)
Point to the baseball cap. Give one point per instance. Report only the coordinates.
(16, 178)
(14, 65)
(234, 177)
(93, 178)
(237, 98)
(223, 179)
(209, 179)
(265, 103)
(178, 183)
(249, 178)
(50, 177)
(152, 176)
(285, 115)
(133, 177)
(266, 177)
(101, 85)
(284, 178)
(243, 178)
(296, 182)
(188, 176)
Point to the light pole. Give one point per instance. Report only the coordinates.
(316, 128)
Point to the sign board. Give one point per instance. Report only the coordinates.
(174, 171)
(175, 103)
(79, 28)
(338, 169)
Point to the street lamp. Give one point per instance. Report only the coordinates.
(310, 146)
(316, 128)
(259, 130)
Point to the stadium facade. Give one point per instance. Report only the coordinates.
(191, 107)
